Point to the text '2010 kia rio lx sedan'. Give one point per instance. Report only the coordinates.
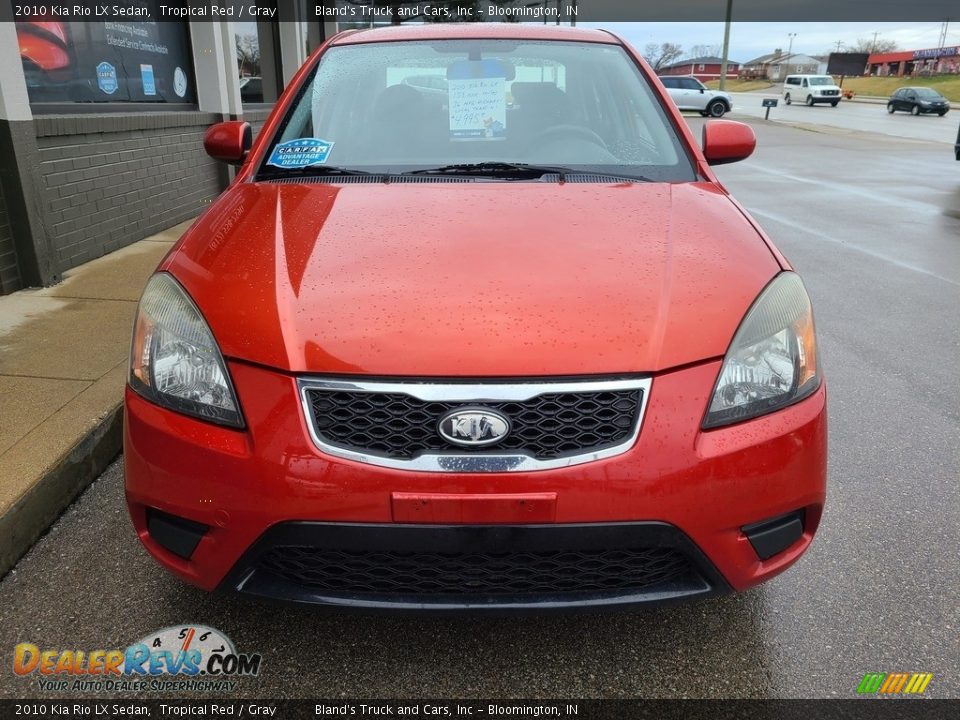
(495, 342)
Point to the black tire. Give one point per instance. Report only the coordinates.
(717, 108)
(915, 110)
(809, 100)
(834, 103)
(786, 99)
(942, 113)
(890, 108)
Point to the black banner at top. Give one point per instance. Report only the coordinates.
(402, 11)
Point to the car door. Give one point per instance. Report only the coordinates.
(694, 97)
(681, 93)
(911, 100)
(673, 89)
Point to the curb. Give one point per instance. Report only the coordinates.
(33, 514)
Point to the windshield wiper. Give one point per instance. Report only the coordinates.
(506, 169)
(310, 171)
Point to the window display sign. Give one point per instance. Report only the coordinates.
(478, 100)
(106, 61)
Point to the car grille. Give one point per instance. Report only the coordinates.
(399, 426)
(831, 92)
(373, 573)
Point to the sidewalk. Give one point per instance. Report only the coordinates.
(63, 364)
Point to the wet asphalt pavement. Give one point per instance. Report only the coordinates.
(873, 224)
(852, 116)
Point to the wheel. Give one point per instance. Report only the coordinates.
(809, 100)
(834, 103)
(942, 113)
(915, 110)
(717, 108)
(786, 99)
(890, 108)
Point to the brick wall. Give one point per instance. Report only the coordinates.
(9, 274)
(113, 179)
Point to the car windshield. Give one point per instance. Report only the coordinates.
(927, 94)
(821, 80)
(484, 107)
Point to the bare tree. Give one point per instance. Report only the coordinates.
(248, 54)
(873, 45)
(699, 51)
(662, 54)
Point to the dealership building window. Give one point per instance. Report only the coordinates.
(258, 68)
(106, 62)
(102, 125)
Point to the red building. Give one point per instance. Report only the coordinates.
(702, 68)
(911, 62)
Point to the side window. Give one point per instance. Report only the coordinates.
(668, 82)
(690, 84)
(805, 83)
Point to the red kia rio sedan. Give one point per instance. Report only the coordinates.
(475, 327)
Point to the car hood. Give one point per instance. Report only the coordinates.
(473, 279)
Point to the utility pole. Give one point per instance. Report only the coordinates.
(573, 13)
(726, 46)
(839, 43)
(790, 46)
(873, 47)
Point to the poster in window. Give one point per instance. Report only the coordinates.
(106, 61)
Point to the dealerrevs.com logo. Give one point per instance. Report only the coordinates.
(175, 659)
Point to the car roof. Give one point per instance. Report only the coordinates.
(478, 31)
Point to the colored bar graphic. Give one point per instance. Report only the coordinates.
(871, 683)
(894, 683)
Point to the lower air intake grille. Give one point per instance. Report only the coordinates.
(489, 574)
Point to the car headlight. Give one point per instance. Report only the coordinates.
(772, 361)
(174, 360)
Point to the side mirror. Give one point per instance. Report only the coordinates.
(228, 141)
(727, 141)
(702, 91)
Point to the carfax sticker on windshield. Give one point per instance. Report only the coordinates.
(302, 152)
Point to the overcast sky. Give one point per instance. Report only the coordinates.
(749, 40)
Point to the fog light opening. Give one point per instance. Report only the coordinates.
(773, 536)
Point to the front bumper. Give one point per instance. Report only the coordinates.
(248, 490)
